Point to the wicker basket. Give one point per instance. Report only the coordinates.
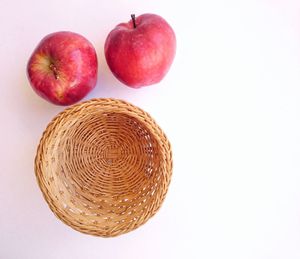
(104, 167)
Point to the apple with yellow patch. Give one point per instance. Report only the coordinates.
(63, 68)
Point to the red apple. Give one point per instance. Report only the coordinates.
(63, 68)
(140, 52)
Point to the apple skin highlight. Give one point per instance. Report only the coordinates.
(63, 68)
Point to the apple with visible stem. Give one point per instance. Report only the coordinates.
(140, 52)
(63, 68)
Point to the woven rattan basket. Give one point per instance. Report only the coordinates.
(104, 167)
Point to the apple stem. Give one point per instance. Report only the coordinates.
(133, 20)
(54, 70)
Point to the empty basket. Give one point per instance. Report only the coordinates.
(104, 167)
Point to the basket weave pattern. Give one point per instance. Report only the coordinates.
(104, 167)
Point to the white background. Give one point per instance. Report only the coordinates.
(229, 105)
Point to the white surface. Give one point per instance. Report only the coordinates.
(229, 105)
